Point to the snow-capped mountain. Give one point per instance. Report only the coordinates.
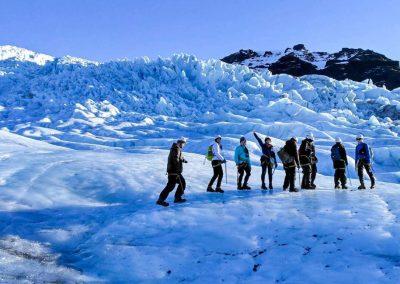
(83, 151)
(349, 63)
(8, 52)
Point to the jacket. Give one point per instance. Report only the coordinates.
(307, 153)
(291, 148)
(175, 160)
(342, 163)
(267, 150)
(363, 153)
(216, 149)
(242, 155)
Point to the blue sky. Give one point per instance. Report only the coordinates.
(103, 30)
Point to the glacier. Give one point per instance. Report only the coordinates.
(83, 154)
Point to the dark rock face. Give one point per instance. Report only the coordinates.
(355, 64)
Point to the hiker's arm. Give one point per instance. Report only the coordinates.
(258, 139)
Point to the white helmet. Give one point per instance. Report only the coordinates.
(310, 136)
(182, 140)
(360, 137)
(338, 140)
(218, 137)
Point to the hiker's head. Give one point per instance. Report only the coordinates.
(294, 139)
(242, 141)
(360, 138)
(267, 140)
(338, 140)
(182, 142)
(218, 139)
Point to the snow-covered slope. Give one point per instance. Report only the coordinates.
(9, 52)
(89, 216)
(81, 104)
(77, 200)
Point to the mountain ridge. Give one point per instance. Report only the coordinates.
(356, 64)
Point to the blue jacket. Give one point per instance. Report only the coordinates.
(267, 150)
(242, 155)
(362, 152)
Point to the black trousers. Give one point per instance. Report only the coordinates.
(241, 170)
(290, 178)
(340, 175)
(218, 173)
(306, 181)
(360, 168)
(264, 168)
(172, 181)
(313, 173)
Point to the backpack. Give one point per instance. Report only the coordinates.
(335, 153)
(210, 154)
(284, 156)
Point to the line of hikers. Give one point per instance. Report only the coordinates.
(291, 158)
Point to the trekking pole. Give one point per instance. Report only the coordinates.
(348, 174)
(298, 170)
(226, 174)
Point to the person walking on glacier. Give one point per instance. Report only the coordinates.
(268, 160)
(214, 154)
(290, 160)
(174, 172)
(242, 160)
(363, 159)
(308, 162)
(339, 159)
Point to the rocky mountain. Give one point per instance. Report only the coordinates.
(349, 63)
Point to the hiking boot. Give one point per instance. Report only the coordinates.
(362, 187)
(270, 186)
(313, 186)
(162, 203)
(263, 187)
(284, 188)
(372, 186)
(337, 187)
(218, 189)
(294, 190)
(179, 200)
(246, 187)
(210, 189)
(239, 186)
(344, 187)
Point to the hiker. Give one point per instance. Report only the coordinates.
(290, 160)
(242, 160)
(216, 162)
(268, 160)
(308, 162)
(339, 159)
(174, 171)
(363, 160)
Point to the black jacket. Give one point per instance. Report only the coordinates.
(175, 160)
(307, 152)
(342, 163)
(291, 148)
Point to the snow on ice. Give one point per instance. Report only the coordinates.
(83, 151)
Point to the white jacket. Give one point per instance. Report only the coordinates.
(216, 149)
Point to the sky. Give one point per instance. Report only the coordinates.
(104, 30)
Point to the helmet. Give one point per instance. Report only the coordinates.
(242, 139)
(218, 137)
(310, 136)
(338, 140)
(360, 137)
(182, 140)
